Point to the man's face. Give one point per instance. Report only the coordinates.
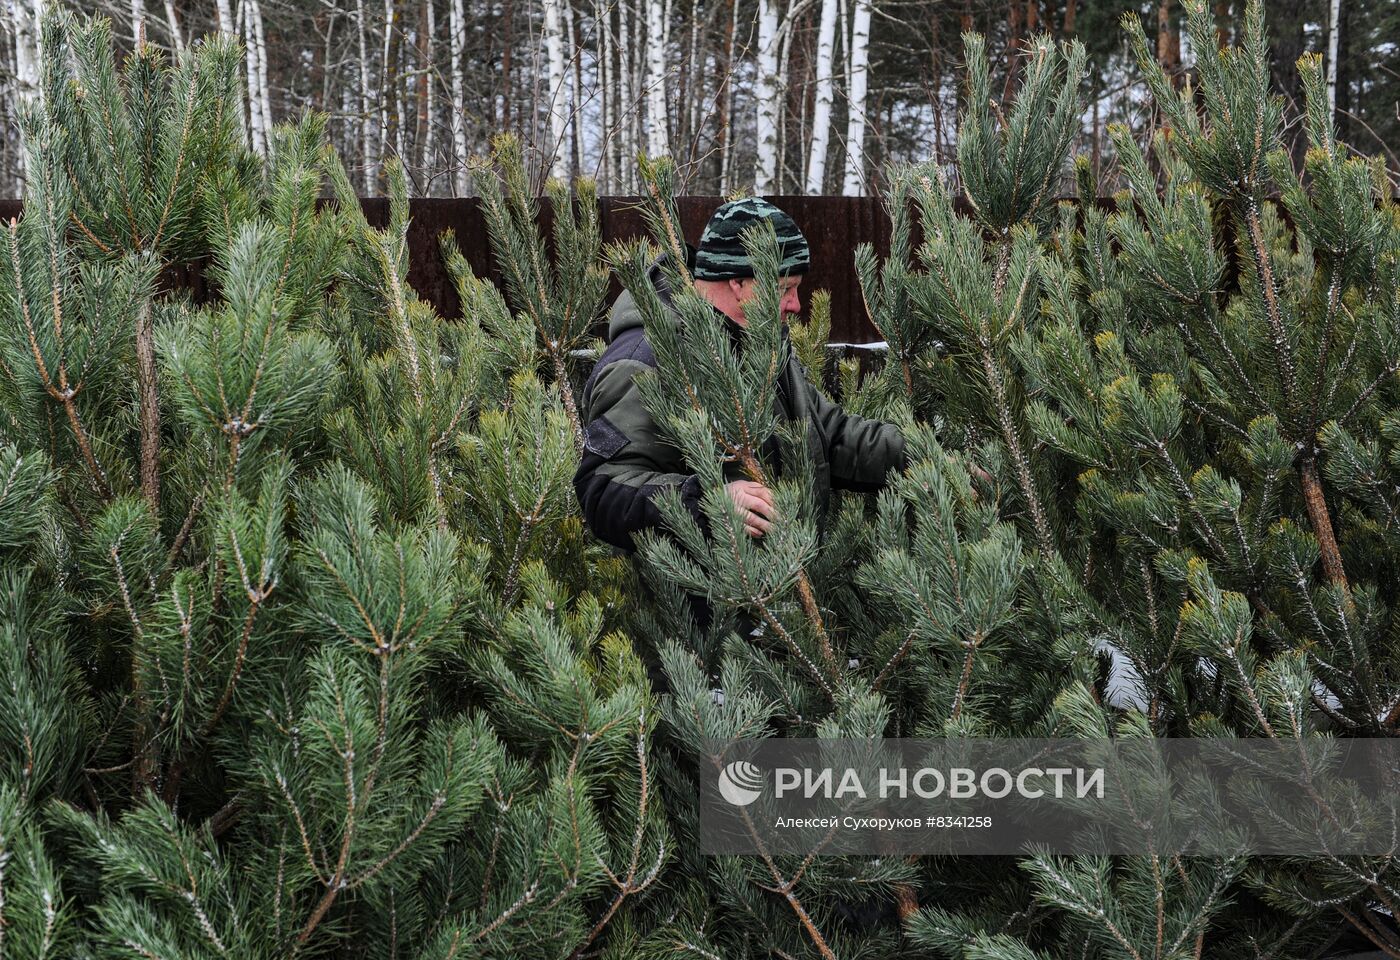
(790, 304)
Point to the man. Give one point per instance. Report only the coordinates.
(627, 461)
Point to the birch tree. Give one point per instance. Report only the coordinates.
(858, 77)
(28, 15)
(367, 145)
(658, 142)
(257, 120)
(558, 117)
(224, 14)
(457, 27)
(264, 87)
(821, 110)
(1334, 35)
(767, 97)
(427, 84)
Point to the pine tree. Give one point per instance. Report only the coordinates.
(304, 650)
(1188, 380)
(322, 672)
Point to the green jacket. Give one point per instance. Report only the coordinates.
(627, 461)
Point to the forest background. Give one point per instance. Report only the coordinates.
(776, 96)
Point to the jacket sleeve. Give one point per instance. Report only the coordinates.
(860, 452)
(626, 461)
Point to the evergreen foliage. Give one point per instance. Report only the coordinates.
(304, 649)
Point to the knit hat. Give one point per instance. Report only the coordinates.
(721, 254)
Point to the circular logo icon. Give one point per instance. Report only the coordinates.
(740, 783)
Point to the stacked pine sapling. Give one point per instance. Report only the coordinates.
(241, 718)
(1205, 549)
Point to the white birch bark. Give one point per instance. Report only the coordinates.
(264, 88)
(430, 109)
(257, 129)
(457, 24)
(766, 94)
(859, 62)
(387, 87)
(825, 94)
(366, 109)
(1334, 36)
(28, 17)
(138, 21)
(224, 14)
(658, 143)
(558, 118)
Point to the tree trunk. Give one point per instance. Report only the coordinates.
(766, 98)
(785, 58)
(1321, 522)
(423, 135)
(726, 101)
(692, 85)
(825, 95)
(626, 101)
(224, 13)
(575, 114)
(554, 158)
(1168, 42)
(390, 96)
(177, 40)
(367, 145)
(257, 124)
(602, 19)
(147, 391)
(936, 68)
(457, 25)
(658, 140)
(264, 88)
(1334, 40)
(507, 78)
(859, 72)
(1070, 10)
(28, 17)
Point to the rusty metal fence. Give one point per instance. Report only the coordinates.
(834, 227)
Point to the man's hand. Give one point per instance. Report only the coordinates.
(755, 503)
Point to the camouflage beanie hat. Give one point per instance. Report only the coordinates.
(721, 254)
